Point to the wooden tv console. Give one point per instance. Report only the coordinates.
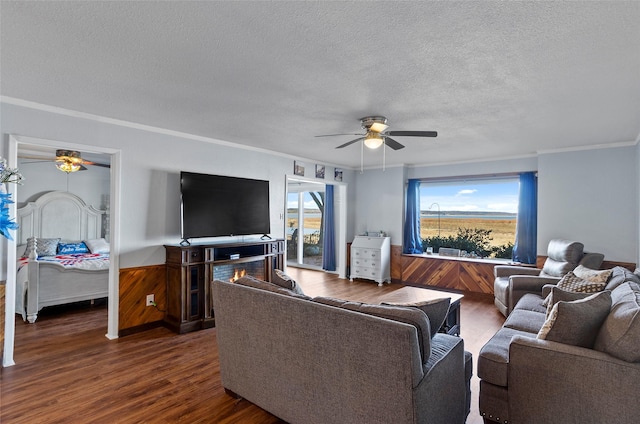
(192, 268)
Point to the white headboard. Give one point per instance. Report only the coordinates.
(58, 214)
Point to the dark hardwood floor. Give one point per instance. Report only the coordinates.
(67, 371)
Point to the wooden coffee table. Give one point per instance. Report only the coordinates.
(409, 294)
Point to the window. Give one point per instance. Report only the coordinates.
(475, 214)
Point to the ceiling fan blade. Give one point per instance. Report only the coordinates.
(393, 144)
(88, 162)
(334, 135)
(350, 143)
(413, 133)
(42, 158)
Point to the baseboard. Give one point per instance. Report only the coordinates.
(140, 328)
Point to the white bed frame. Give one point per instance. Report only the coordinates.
(63, 215)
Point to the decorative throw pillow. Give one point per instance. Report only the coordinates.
(576, 284)
(559, 295)
(593, 275)
(44, 246)
(620, 334)
(577, 323)
(250, 281)
(621, 275)
(72, 248)
(436, 311)
(97, 245)
(283, 280)
(407, 315)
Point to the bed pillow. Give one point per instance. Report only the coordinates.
(72, 248)
(44, 246)
(97, 245)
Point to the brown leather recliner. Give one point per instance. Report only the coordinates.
(513, 282)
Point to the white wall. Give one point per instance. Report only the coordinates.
(590, 196)
(379, 203)
(151, 163)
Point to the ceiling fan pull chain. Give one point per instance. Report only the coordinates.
(362, 156)
(384, 156)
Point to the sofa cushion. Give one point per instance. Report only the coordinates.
(493, 361)
(523, 320)
(256, 283)
(531, 302)
(283, 280)
(620, 275)
(558, 295)
(620, 334)
(405, 314)
(436, 310)
(578, 322)
(570, 282)
(593, 275)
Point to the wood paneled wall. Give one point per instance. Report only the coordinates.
(452, 274)
(135, 285)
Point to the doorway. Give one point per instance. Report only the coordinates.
(305, 223)
(303, 230)
(16, 145)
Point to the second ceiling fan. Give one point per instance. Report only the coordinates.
(376, 134)
(66, 160)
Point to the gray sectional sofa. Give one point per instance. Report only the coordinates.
(323, 361)
(585, 370)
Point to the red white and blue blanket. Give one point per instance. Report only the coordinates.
(89, 261)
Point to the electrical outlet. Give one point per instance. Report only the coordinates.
(150, 299)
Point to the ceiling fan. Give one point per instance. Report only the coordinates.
(376, 134)
(67, 161)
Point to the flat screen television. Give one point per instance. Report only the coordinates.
(217, 205)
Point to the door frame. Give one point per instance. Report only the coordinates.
(15, 141)
(340, 214)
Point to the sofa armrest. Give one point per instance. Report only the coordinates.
(554, 382)
(509, 270)
(530, 284)
(441, 395)
(546, 289)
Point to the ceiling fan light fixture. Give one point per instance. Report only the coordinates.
(68, 160)
(68, 167)
(373, 140)
(378, 127)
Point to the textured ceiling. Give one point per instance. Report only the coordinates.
(495, 79)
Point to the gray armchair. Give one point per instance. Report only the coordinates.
(513, 282)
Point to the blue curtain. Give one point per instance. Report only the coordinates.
(329, 240)
(524, 250)
(412, 243)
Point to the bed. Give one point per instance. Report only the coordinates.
(53, 266)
